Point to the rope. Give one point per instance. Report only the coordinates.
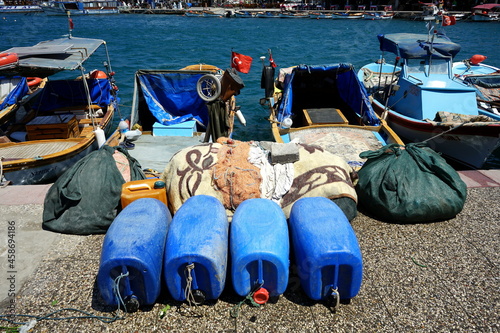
(188, 292)
(86, 315)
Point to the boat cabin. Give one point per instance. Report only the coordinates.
(426, 83)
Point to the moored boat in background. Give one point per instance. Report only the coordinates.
(423, 101)
(486, 12)
(89, 7)
(67, 118)
(326, 106)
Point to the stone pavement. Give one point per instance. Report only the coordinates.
(430, 277)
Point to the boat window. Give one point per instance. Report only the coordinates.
(438, 66)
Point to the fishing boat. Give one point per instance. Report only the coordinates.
(424, 102)
(377, 16)
(243, 14)
(325, 106)
(486, 12)
(320, 15)
(179, 108)
(293, 14)
(92, 7)
(66, 120)
(268, 14)
(347, 15)
(484, 78)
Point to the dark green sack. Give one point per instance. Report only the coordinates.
(411, 183)
(85, 199)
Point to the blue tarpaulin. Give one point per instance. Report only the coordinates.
(417, 46)
(172, 96)
(16, 94)
(66, 93)
(344, 83)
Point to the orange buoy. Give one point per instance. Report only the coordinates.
(8, 58)
(477, 58)
(33, 81)
(96, 74)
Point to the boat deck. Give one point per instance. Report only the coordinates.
(344, 141)
(35, 149)
(154, 152)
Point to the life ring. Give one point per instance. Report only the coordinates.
(8, 59)
(33, 81)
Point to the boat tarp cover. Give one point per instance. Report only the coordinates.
(66, 93)
(409, 184)
(349, 88)
(172, 97)
(85, 199)
(487, 6)
(16, 94)
(417, 46)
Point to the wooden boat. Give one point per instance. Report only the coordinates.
(268, 14)
(320, 15)
(87, 7)
(377, 16)
(423, 101)
(484, 78)
(328, 107)
(487, 12)
(172, 109)
(47, 134)
(293, 14)
(243, 14)
(347, 15)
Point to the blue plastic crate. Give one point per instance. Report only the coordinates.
(186, 128)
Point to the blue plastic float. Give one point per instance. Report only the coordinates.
(132, 254)
(196, 250)
(326, 250)
(260, 248)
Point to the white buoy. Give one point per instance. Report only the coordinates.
(123, 126)
(101, 137)
(241, 118)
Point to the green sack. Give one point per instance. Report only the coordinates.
(407, 184)
(85, 199)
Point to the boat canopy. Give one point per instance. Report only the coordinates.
(487, 6)
(340, 78)
(171, 96)
(60, 94)
(50, 57)
(16, 94)
(418, 46)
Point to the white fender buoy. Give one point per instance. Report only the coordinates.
(241, 117)
(100, 136)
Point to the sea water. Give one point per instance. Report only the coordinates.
(138, 41)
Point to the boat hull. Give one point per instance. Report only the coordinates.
(468, 145)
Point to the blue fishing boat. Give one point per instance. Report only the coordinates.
(259, 248)
(132, 255)
(44, 135)
(325, 106)
(196, 250)
(423, 101)
(86, 7)
(326, 249)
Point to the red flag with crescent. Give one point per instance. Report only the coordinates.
(240, 62)
(71, 24)
(449, 20)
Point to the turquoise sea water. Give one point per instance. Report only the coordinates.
(172, 42)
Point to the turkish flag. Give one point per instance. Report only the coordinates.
(271, 61)
(449, 20)
(240, 62)
(71, 24)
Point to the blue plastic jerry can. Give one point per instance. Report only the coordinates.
(196, 250)
(327, 252)
(260, 249)
(132, 255)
